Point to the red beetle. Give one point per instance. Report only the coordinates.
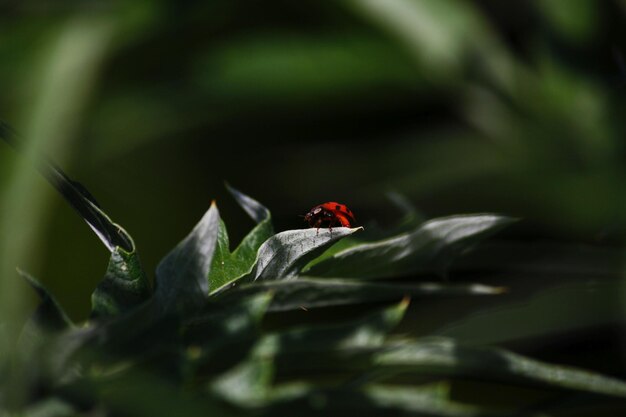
(331, 213)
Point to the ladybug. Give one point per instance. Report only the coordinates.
(331, 213)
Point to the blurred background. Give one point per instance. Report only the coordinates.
(514, 107)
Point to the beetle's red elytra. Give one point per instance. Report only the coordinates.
(331, 214)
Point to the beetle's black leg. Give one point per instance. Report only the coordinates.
(318, 224)
(333, 221)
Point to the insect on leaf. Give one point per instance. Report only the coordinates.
(431, 247)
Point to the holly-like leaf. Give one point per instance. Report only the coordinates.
(181, 277)
(230, 266)
(306, 292)
(124, 287)
(429, 248)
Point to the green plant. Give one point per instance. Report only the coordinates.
(247, 331)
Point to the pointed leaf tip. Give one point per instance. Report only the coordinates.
(181, 277)
(49, 315)
(257, 211)
(228, 267)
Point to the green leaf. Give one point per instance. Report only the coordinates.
(139, 333)
(50, 407)
(181, 277)
(306, 347)
(228, 267)
(581, 305)
(37, 335)
(257, 211)
(442, 356)
(377, 401)
(142, 393)
(49, 315)
(422, 400)
(223, 333)
(247, 384)
(410, 217)
(124, 286)
(366, 332)
(76, 195)
(218, 320)
(308, 292)
(430, 247)
(432, 358)
(283, 256)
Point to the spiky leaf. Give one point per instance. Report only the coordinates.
(430, 247)
(181, 277)
(230, 266)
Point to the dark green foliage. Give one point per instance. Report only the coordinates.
(430, 247)
(515, 107)
(209, 349)
(49, 315)
(123, 287)
(181, 277)
(228, 267)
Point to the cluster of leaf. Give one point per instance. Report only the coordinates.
(230, 332)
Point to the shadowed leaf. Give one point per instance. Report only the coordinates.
(378, 401)
(49, 315)
(77, 196)
(229, 266)
(181, 277)
(223, 333)
(306, 292)
(576, 310)
(442, 356)
(124, 286)
(51, 407)
(366, 332)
